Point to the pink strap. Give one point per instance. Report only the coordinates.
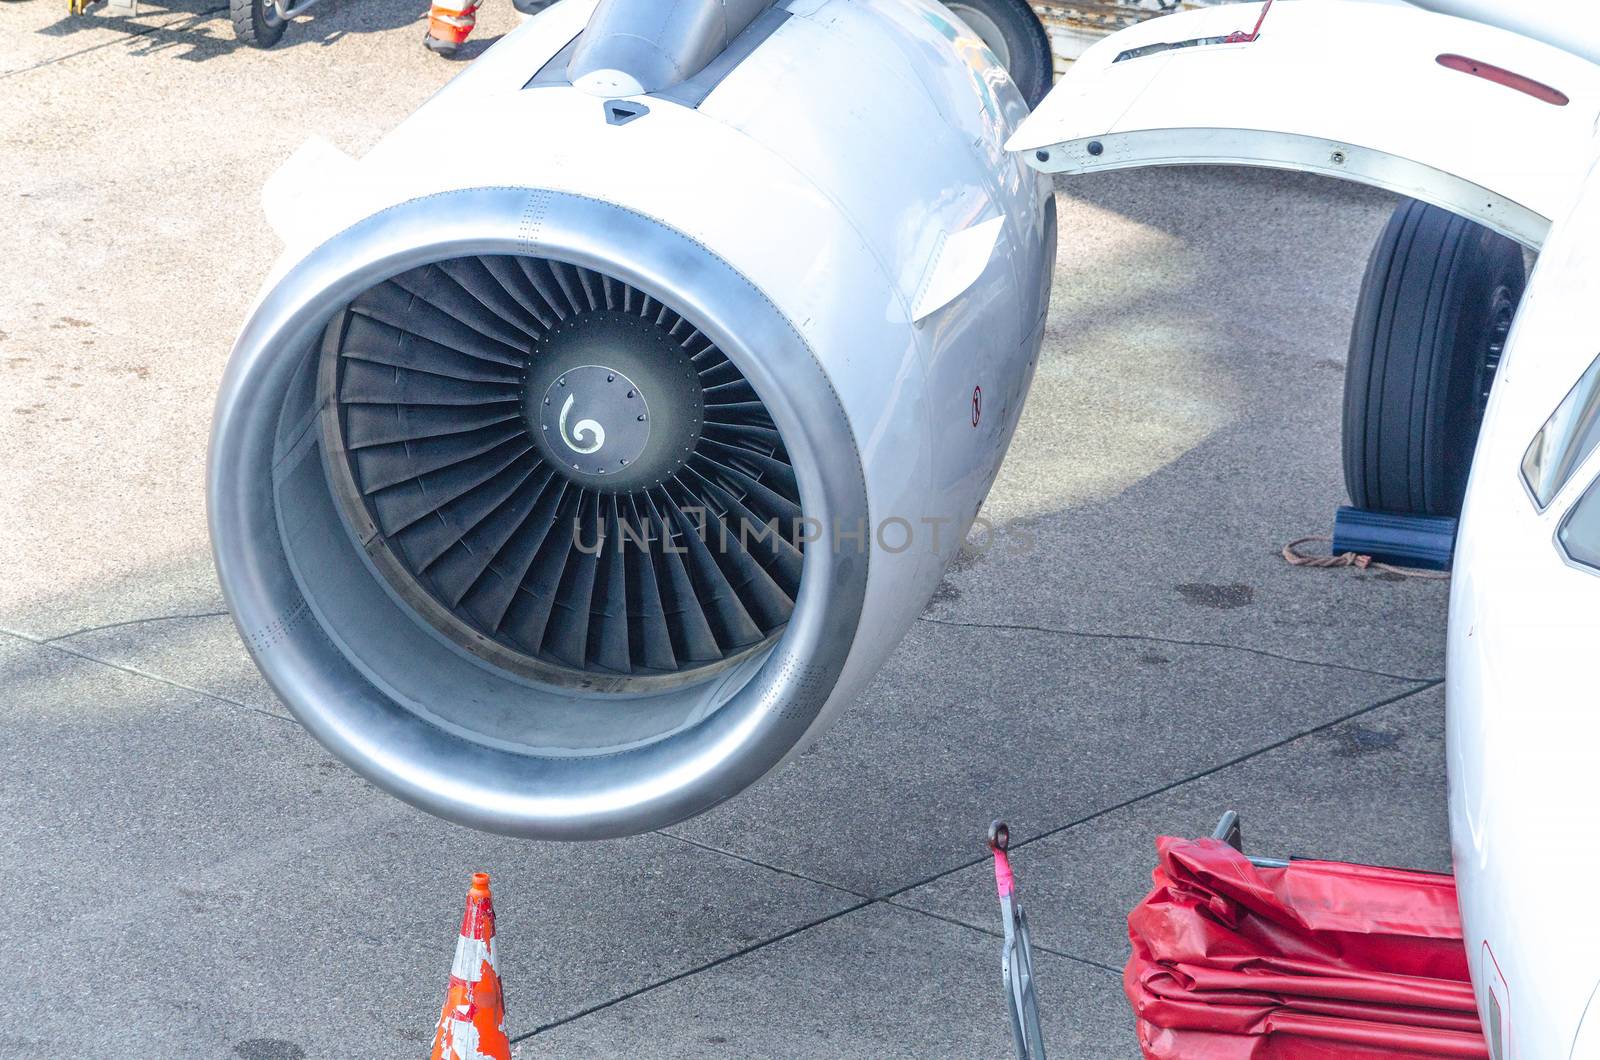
(1002, 874)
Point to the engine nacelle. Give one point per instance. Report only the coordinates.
(588, 450)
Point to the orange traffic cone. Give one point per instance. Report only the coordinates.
(450, 22)
(473, 1023)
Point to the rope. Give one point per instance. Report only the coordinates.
(1295, 558)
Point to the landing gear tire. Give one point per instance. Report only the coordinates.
(1431, 323)
(1018, 39)
(256, 22)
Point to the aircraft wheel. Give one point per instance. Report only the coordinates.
(1431, 323)
(1018, 39)
(256, 22)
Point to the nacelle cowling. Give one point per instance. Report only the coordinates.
(500, 451)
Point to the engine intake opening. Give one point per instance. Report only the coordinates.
(388, 530)
(559, 472)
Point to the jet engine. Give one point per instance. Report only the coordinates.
(602, 429)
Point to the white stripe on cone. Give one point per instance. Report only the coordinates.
(470, 955)
(464, 1041)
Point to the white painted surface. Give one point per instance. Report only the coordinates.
(1524, 706)
(1572, 25)
(960, 259)
(1350, 90)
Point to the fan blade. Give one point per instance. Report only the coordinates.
(567, 278)
(724, 612)
(692, 637)
(768, 541)
(566, 635)
(398, 307)
(724, 371)
(513, 547)
(544, 282)
(736, 392)
(366, 425)
(750, 436)
(516, 283)
(403, 504)
(529, 615)
(608, 625)
(381, 466)
(372, 340)
(441, 291)
(762, 598)
(474, 276)
(426, 540)
(759, 469)
(363, 383)
(650, 639)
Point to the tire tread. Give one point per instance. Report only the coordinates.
(1406, 446)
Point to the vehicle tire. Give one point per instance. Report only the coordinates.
(1018, 39)
(256, 22)
(1431, 323)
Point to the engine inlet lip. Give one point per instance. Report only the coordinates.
(401, 750)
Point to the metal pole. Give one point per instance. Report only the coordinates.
(1016, 953)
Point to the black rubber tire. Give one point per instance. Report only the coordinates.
(255, 23)
(1032, 63)
(1431, 323)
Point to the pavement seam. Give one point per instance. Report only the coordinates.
(1000, 935)
(1190, 779)
(791, 933)
(888, 899)
(136, 672)
(762, 864)
(706, 967)
(1152, 639)
(192, 18)
(884, 901)
(130, 622)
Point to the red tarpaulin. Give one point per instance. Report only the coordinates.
(1314, 961)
